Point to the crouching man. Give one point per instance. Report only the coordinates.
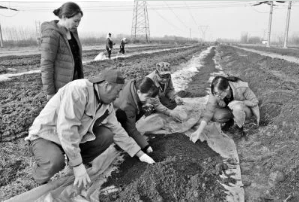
(79, 121)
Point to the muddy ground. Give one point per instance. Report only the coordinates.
(268, 156)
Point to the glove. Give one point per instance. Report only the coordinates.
(81, 176)
(147, 159)
(179, 100)
(221, 103)
(49, 97)
(149, 150)
(175, 116)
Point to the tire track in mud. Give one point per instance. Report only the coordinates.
(269, 157)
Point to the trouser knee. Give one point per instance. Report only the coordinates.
(222, 115)
(49, 160)
(91, 149)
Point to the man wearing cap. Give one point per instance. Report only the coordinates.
(167, 98)
(79, 121)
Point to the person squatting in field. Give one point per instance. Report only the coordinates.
(61, 50)
(79, 121)
(129, 107)
(122, 46)
(231, 100)
(167, 99)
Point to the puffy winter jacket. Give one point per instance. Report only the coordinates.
(57, 62)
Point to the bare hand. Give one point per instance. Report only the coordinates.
(81, 176)
(179, 101)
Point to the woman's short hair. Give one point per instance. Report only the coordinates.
(69, 10)
(147, 85)
(221, 82)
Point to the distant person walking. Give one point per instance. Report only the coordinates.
(109, 45)
(61, 50)
(122, 46)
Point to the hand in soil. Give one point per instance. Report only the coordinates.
(147, 159)
(81, 176)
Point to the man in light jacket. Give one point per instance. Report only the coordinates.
(79, 121)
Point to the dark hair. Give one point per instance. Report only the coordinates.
(146, 85)
(68, 9)
(221, 82)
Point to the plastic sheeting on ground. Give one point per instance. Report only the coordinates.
(62, 189)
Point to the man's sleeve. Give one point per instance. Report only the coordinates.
(131, 128)
(121, 137)
(68, 122)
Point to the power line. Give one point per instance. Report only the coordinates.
(175, 14)
(169, 22)
(192, 16)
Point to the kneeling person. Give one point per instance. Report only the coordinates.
(79, 121)
(167, 98)
(129, 108)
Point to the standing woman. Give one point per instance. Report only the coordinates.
(61, 50)
(231, 101)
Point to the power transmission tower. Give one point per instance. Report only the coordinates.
(287, 25)
(270, 23)
(1, 39)
(140, 25)
(38, 32)
(203, 29)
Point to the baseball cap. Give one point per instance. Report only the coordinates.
(109, 75)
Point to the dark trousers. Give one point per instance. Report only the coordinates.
(122, 49)
(49, 156)
(109, 52)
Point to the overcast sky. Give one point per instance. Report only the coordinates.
(217, 19)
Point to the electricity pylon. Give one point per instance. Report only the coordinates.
(140, 24)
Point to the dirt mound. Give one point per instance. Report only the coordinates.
(184, 172)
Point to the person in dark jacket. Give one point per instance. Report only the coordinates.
(109, 45)
(231, 101)
(129, 107)
(61, 50)
(122, 46)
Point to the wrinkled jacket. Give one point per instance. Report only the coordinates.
(240, 91)
(168, 91)
(129, 102)
(69, 117)
(57, 62)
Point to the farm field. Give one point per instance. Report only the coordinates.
(268, 156)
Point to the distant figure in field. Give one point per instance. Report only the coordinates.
(231, 101)
(109, 45)
(122, 46)
(61, 50)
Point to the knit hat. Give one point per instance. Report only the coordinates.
(109, 75)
